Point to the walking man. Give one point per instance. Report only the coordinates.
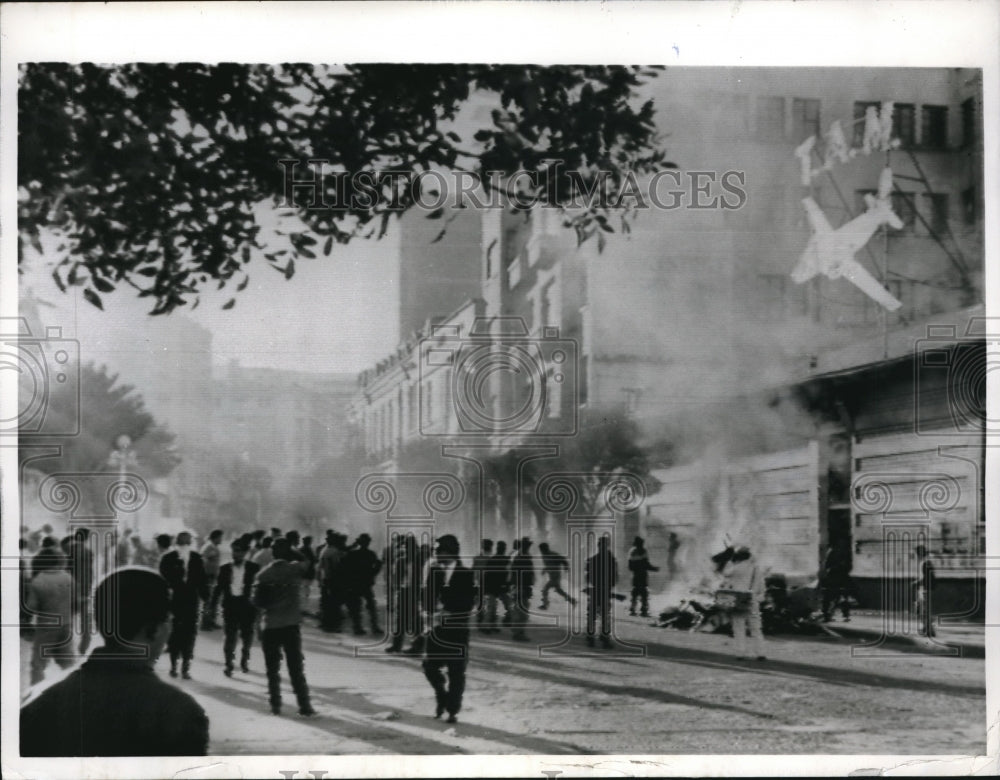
(639, 565)
(211, 556)
(50, 600)
(362, 566)
(553, 565)
(235, 584)
(522, 578)
(450, 596)
(602, 576)
(276, 592)
(184, 571)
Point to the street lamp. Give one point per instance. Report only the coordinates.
(122, 458)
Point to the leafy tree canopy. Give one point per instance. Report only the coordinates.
(151, 173)
(107, 410)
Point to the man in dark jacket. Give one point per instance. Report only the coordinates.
(277, 593)
(522, 581)
(234, 586)
(184, 571)
(639, 565)
(449, 599)
(114, 704)
(361, 568)
(602, 575)
(496, 587)
(553, 565)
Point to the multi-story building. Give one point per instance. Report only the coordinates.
(781, 403)
(284, 422)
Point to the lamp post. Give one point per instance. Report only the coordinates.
(122, 457)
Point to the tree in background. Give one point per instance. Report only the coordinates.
(151, 173)
(107, 410)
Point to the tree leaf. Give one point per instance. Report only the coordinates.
(290, 268)
(229, 304)
(328, 246)
(93, 298)
(102, 284)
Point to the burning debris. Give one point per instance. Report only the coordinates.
(709, 605)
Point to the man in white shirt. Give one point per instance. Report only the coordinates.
(211, 557)
(234, 585)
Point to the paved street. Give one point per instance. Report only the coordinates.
(688, 694)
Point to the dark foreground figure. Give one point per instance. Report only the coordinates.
(114, 704)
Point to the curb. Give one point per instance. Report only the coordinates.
(917, 644)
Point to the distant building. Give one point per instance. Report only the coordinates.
(779, 402)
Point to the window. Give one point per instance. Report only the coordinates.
(903, 119)
(936, 211)
(771, 117)
(934, 127)
(860, 107)
(968, 123)
(805, 119)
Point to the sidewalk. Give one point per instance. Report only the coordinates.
(969, 639)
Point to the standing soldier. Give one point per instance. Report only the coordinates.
(480, 564)
(602, 576)
(553, 565)
(361, 568)
(211, 557)
(185, 573)
(450, 596)
(522, 578)
(234, 585)
(276, 593)
(639, 565)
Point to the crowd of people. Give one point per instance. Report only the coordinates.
(260, 585)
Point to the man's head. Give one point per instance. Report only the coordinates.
(275, 533)
(501, 547)
(363, 541)
(257, 536)
(239, 549)
(183, 539)
(47, 529)
(307, 541)
(638, 542)
(447, 548)
(282, 549)
(267, 541)
(544, 547)
(525, 545)
(602, 542)
(49, 541)
(163, 541)
(215, 537)
(487, 545)
(293, 538)
(132, 606)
